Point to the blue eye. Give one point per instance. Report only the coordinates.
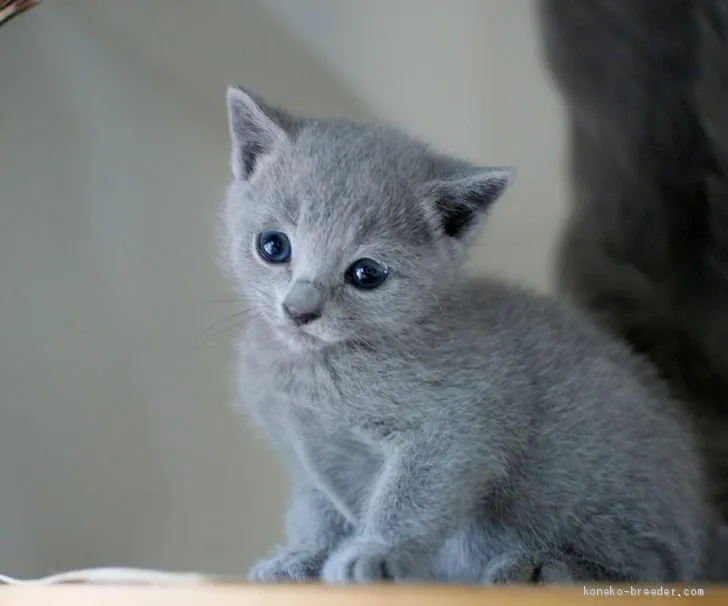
(366, 274)
(274, 246)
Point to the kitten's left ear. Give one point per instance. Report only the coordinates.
(255, 130)
(456, 206)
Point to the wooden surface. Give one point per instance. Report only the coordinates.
(250, 595)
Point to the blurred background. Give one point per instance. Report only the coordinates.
(117, 444)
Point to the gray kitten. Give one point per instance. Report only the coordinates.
(437, 427)
(645, 251)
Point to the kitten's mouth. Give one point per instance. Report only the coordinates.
(297, 336)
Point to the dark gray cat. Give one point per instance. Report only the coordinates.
(437, 427)
(646, 248)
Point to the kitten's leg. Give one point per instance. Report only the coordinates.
(547, 567)
(314, 529)
(427, 488)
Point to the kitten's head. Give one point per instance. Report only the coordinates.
(340, 231)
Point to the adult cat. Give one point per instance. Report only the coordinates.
(645, 250)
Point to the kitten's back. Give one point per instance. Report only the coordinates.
(594, 428)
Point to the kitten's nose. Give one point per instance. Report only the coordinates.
(301, 318)
(304, 303)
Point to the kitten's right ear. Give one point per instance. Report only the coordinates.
(255, 130)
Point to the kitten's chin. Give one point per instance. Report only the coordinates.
(297, 339)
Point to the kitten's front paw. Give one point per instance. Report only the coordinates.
(527, 567)
(363, 562)
(546, 567)
(287, 566)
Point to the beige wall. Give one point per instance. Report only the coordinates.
(116, 442)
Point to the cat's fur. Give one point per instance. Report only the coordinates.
(645, 251)
(439, 427)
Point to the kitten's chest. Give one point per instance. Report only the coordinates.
(344, 465)
(286, 395)
(299, 414)
(328, 394)
(329, 422)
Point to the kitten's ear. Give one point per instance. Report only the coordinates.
(456, 206)
(255, 130)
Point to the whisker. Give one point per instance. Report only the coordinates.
(228, 273)
(258, 289)
(219, 333)
(227, 319)
(202, 301)
(239, 327)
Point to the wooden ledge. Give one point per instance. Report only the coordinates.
(317, 595)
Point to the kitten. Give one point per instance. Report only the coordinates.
(645, 251)
(437, 427)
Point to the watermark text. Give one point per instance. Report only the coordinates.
(657, 591)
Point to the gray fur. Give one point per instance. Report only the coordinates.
(439, 427)
(645, 251)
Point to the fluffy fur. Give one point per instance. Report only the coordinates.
(645, 251)
(439, 427)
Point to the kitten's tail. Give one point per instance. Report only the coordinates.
(711, 99)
